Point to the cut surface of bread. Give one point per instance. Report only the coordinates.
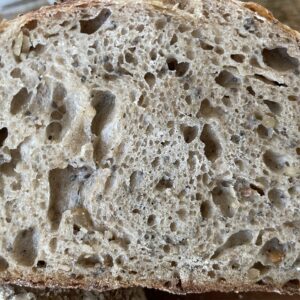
(8, 292)
(151, 143)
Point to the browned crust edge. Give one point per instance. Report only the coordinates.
(108, 284)
(265, 13)
(101, 284)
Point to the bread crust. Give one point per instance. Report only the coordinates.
(184, 287)
(265, 13)
(112, 284)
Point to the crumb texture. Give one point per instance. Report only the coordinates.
(147, 141)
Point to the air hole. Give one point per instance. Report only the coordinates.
(108, 261)
(59, 94)
(3, 135)
(92, 25)
(164, 183)
(81, 216)
(140, 28)
(182, 68)
(53, 131)
(41, 264)
(76, 229)
(227, 80)
(166, 248)
(273, 106)
(250, 90)
(16, 73)
(153, 54)
(120, 260)
(292, 284)
(240, 238)
(206, 46)
(173, 39)
(56, 115)
(108, 67)
(264, 132)
(224, 198)
(143, 101)
(182, 214)
(257, 189)
(173, 226)
(172, 63)
(206, 210)
(104, 104)
(297, 149)
(254, 62)
(274, 161)
(226, 101)
(31, 25)
(136, 179)
(189, 133)
(277, 197)
(211, 274)
(3, 264)
(273, 251)
(293, 98)
(219, 50)
(88, 261)
(268, 81)
(196, 33)
(235, 138)
(261, 268)
(64, 185)
(53, 245)
(207, 110)
(25, 247)
(239, 58)
(151, 220)
(279, 60)
(19, 101)
(129, 58)
(212, 148)
(160, 24)
(150, 79)
(183, 28)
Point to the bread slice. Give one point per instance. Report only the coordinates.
(22, 293)
(150, 143)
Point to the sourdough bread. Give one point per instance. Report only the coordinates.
(150, 143)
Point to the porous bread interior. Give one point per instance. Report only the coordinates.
(150, 141)
(9, 292)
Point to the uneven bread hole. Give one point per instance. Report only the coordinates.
(151, 144)
(3, 135)
(19, 101)
(25, 247)
(273, 251)
(3, 264)
(276, 162)
(279, 59)
(92, 25)
(227, 79)
(103, 103)
(65, 185)
(237, 239)
(212, 148)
